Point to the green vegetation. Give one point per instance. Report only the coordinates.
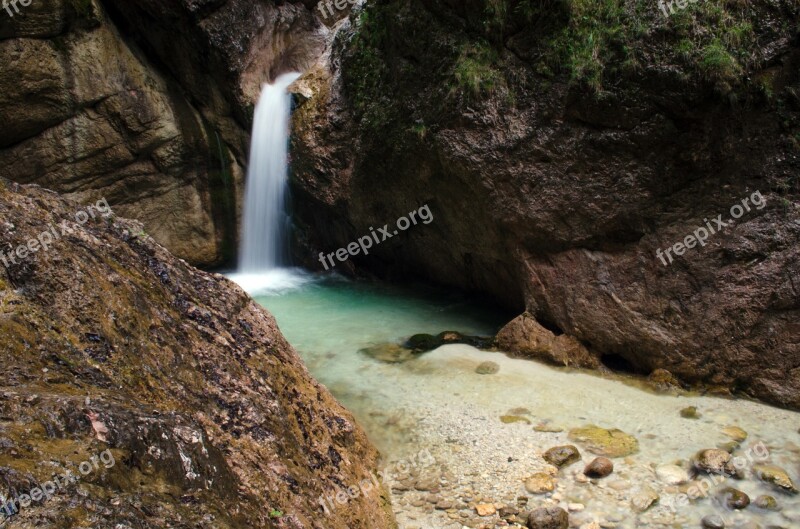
(275, 513)
(474, 71)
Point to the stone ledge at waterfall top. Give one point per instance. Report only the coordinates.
(109, 342)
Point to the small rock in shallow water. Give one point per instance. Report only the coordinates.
(735, 433)
(600, 467)
(389, 353)
(609, 443)
(766, 502)
(644, 499)
(734, 498)
(485, 509)
(548, 518)
(562, 455)
(775, 476)
(714, 461)
(509, 419)
(690, 413)
(672, 474)
(540, 483)
(487, 368)
(713, 521)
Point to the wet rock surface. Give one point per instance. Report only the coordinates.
(109, 342)
(536, 145)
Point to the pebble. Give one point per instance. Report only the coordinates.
(540, 483)
(672, 474)
(713, 521)
(600, 467)
(548, 518)
(561, 456)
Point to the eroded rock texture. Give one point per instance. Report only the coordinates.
(107, 341)
(554, 179)
(146, 103)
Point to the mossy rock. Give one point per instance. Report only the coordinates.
(509, 419)
(609, 443)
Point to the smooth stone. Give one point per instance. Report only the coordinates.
(603, 442)
(562, 455)
(713, 521)
(766, 502)
(714, 461)
(487, 368)
(600, 467)
(775, 476)
(690, 413)
(510, 419)
(389, 353)
(734, 498)
(644, 499)
(485, 509)
(672, 474)
(548, 518)
(735, 433)
(540, 483)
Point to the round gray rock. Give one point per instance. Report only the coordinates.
(548, 518)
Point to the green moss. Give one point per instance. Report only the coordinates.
(717, 63)
(474, 72)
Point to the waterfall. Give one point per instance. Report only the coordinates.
(264, 219)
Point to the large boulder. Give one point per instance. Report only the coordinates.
(109, 343)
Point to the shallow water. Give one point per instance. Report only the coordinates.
(438, 402)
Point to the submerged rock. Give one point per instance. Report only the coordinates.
(422, 343)
(561, 456)
(600, 467)
(540, 483)
(735, 433)
(663, 381)
(776, 477)
(713, 521)
(389, 353)
(547, 428)
(645, 498)
(672, 474)
(487, 368)
(690, 412)
(548, 518)
(510, 419)
(766, 502)
(609, 443)
(734, 498)
(714, 461)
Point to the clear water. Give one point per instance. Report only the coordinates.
(438, 402)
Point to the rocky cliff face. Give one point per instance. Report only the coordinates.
(147, 104)
(113, 349)
(563, 148)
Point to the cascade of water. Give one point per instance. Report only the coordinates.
(264, 219)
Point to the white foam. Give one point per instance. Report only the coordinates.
(271, 282)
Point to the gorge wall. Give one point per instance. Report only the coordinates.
(558, 153)
(147, 104)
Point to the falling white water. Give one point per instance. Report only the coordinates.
(264, 220)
